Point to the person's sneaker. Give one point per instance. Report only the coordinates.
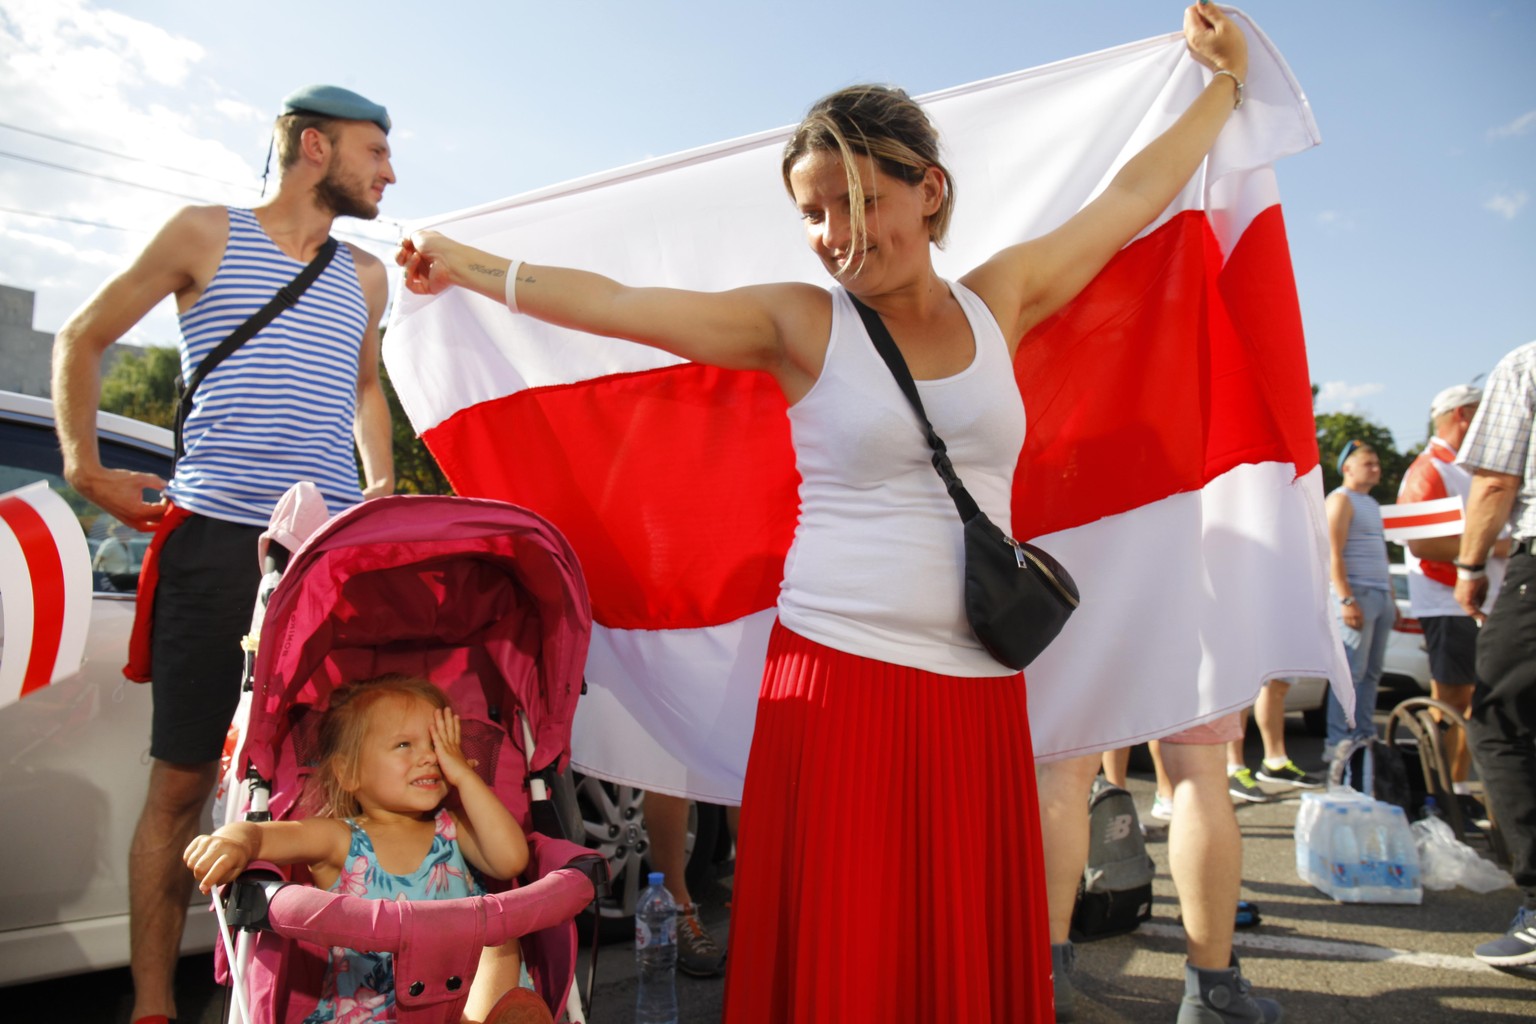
(1162, 808)
(698, 953)
(1223, 997)
(1241, 785)
(1063, 958)
(1290, 774)
(1473, 812)
(1517, 947)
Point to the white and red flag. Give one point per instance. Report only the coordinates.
(1415, 520)
(45, 591)
(1171, 458)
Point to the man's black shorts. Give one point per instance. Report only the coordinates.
(203, 603)
(1452, 644)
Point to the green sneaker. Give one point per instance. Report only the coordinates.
(1241, 785)
(1291, 774)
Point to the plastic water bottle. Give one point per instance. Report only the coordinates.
(1371, 835)
(1431, 809)
(1403, 884)
(656, 954)
(1344, 856)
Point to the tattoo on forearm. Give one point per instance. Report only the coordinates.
(481, 268)
(526, 279)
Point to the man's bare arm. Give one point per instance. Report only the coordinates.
(168, 266)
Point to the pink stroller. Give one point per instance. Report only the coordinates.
(487, 600)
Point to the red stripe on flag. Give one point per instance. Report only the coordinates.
(1167, 371)
(1402, 522)
(46, 570)
(677, 486)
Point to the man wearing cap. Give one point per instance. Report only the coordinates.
(1498, 451)
(1361, 585)
(1450, 634)
(287, 405)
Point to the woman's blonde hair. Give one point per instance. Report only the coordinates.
(884, 124)
(328, 794)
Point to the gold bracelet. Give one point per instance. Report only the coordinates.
(1235, 81)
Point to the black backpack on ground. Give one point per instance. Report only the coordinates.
(1115, 895)
(1380, 770)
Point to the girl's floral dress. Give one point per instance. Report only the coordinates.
(360, 987)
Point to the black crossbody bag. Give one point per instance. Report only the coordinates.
(286, 298)
(1017, 597)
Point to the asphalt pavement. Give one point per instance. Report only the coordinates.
(1322, 960)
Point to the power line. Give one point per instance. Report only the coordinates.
(124, 156)
(72, 220)
(103, 177)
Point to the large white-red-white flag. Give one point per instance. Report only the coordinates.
(1171, 458)
(45, 591)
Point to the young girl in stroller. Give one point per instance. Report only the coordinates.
(389, 756)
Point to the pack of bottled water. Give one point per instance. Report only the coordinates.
(1357, 849)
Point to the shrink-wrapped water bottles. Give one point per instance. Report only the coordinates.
(1356, 849)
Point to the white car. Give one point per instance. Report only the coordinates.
(1406, 658)
(74, 756)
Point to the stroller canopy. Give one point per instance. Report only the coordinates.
(479, 596)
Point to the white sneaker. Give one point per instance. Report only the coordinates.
(1162, 809)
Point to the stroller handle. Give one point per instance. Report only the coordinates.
(384, 926)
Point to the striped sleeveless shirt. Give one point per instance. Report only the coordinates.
(280, 409)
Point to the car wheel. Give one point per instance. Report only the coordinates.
(612, 823)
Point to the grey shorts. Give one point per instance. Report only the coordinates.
(203, 603)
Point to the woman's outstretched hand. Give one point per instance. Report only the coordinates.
(423, 257)
(1215, 40)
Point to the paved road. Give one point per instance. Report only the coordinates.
(1322, 960)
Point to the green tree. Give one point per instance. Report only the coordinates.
(142, 386)
(1336, 429)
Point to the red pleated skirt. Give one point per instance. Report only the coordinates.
(888, 864)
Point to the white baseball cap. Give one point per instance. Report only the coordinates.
(1454, 397)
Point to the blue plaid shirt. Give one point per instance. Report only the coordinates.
(1500, 438)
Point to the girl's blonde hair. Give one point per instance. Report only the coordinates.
(884, 124)
(328, 794)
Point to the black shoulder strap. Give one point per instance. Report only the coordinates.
(286, 298)
(886, 346)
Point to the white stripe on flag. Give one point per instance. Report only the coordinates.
(18, 602)
(1412, 520)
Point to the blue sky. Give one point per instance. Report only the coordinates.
(1412, 228)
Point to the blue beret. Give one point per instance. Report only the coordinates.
(334, 101)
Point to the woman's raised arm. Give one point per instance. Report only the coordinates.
(1026, 283)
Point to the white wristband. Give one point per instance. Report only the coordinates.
(512, 286)
(1471, 574)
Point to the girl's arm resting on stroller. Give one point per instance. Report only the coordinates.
(490, 837)
(220, 858)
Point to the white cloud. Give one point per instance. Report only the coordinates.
(1508, 204)
(79, 74)
(1519, 126)
(1341, 396)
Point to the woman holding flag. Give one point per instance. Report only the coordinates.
(869, 676)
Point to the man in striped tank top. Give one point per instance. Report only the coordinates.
(1361, 584)
(287, 406)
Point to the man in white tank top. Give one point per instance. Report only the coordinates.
(334, 162)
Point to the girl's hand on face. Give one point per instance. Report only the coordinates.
(446, 740)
